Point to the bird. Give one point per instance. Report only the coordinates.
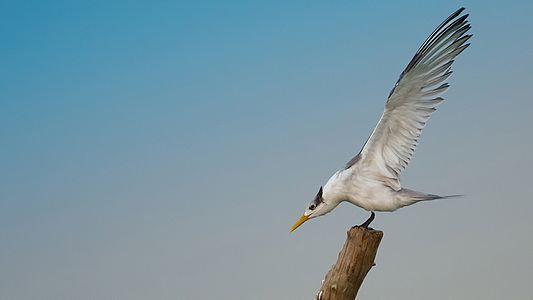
(371, 179)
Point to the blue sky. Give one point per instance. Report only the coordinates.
(162, 150)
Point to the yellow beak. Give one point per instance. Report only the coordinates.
(299, 222)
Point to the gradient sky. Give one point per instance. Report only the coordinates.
(162, 150)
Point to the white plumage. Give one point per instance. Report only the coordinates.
(371, 180)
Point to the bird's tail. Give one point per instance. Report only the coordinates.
(408, 197)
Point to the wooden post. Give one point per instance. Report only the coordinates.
(355, 260)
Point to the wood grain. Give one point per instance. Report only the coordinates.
(356, 258)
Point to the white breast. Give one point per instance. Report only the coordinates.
(363, 191)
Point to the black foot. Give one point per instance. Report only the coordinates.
(368, 221)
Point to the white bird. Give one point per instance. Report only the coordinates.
(371, 180)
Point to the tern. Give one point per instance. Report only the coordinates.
(371, 179)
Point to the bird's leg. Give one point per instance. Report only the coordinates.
(368, 221)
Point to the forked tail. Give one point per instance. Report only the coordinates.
(408, 197)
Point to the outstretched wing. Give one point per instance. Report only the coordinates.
(412, 101)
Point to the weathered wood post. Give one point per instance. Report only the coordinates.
(355, 260)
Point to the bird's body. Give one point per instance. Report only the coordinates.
(345, 185)
(371, 180)
(363, 189)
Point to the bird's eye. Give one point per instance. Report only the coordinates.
(312, 206)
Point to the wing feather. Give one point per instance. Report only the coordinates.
(411, 102)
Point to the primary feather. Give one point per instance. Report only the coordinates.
(412, 101)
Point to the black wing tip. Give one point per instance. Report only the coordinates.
(455, 14)
(461, 20)
(463, 17)
(451, 23)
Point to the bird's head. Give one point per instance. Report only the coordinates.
(316, 208)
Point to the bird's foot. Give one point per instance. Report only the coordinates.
(360, 226)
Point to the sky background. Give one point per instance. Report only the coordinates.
(162, 150)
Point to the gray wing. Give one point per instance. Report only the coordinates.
(412, 101)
